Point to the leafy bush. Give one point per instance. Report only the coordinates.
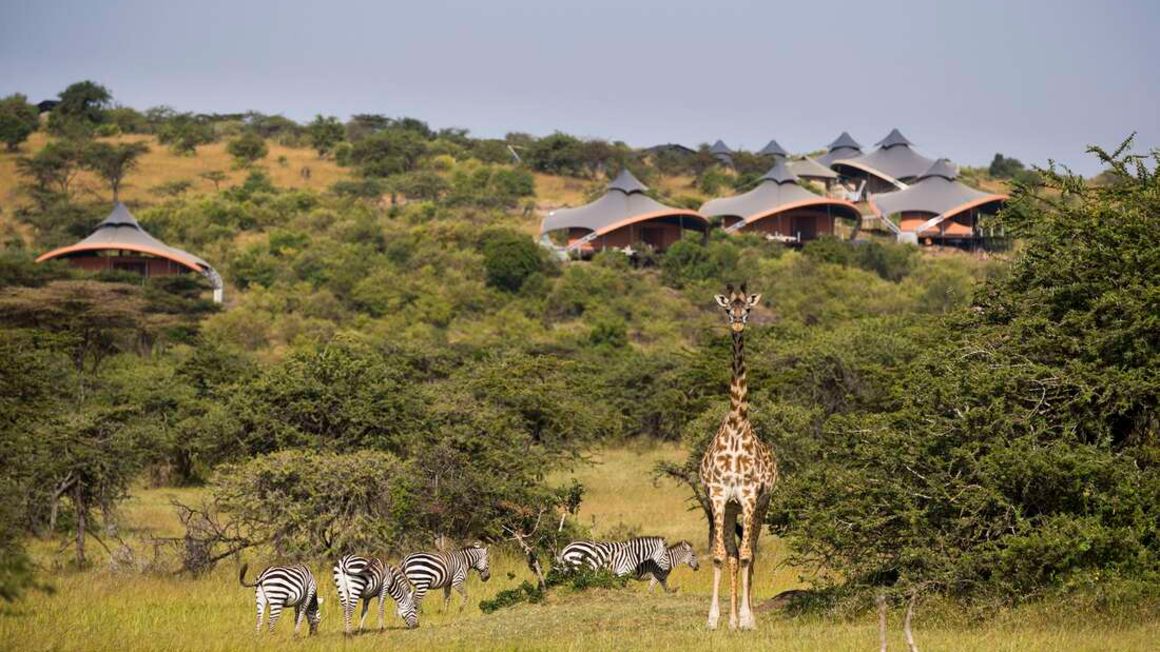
(248, 148)
(18, 119)
(388, 152)
(888, 260)
(307, 504)
(510, 258)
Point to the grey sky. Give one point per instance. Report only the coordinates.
(960, 79)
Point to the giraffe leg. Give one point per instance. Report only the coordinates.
(746, 554)
(731, 523)
(718, 559)
(758, 523)
(732, 592)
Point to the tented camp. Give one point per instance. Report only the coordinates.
(804, 168)
(937, 208)
(810, 170)
(887, 168)
(722, 152)
(119, 243)
(843, 147)
(780, 208)
(624, 216)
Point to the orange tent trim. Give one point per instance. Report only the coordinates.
(168, 255)
(804, 204)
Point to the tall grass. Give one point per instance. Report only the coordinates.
(104, 610)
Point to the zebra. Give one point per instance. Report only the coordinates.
(675, 555)
(621, 557)
(445, 570)
(629, 555)
(365, 578)
(286, 586)
(593, 554)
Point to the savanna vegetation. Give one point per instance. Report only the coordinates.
(398, 360)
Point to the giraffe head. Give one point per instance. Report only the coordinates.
(737, 306)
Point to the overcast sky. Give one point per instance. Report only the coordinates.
(961, 79)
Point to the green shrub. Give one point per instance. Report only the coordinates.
(510, 258)
(248, 148)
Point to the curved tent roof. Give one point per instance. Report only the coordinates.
(844, 146)
(777, 192)
(936, 191)
(624, 203)
(893, 161)
(120, 230)
(810, 169)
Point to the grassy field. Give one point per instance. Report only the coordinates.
(106, 610)
(160, 166)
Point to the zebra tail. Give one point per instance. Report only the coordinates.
(242, 577)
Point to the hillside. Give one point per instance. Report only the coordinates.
(398, 361)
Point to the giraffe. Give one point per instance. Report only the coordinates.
(738, 472)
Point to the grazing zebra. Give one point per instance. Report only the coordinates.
(367, 578)
(675, 555)
(445, 570)
(627, 556)
(593, 554)
(286, 586)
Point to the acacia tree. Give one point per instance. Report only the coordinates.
(18, 119)
(82, 106)
(82, 449)
(182, 132)
(51, 171)
(247, 149)
(113, 162)
(325, 134)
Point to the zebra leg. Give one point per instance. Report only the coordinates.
(461, 589)
(363, 617)
(261, 600)
(347, 614)
(275, 613)
(382, 600)
(299, 613)
(419, 590)
(718, 559)
(446, 597)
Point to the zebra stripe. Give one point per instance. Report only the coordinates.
(593, 554)
(279, 587)
(445, 570)
(675, 555)
(366, 578)
(632, 553)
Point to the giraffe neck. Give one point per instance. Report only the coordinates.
(738, 403)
